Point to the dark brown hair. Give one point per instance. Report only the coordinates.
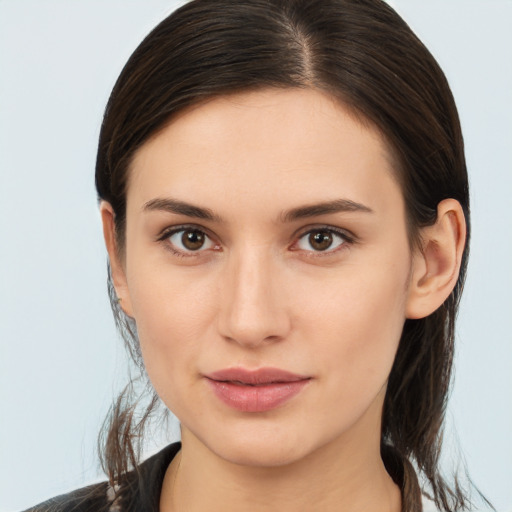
(365, 55)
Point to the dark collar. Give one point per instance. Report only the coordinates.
(143, 487)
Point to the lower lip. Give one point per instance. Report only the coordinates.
(260, 398)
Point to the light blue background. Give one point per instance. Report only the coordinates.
(60, 358)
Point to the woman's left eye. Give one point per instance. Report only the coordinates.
(321, 240)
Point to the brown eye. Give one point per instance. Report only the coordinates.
(320, 240)
(192, 240)
(189, 240)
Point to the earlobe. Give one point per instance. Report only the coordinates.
(435, 268)
(116, 264)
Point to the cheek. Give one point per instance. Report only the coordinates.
(356, 324)
(173, 313)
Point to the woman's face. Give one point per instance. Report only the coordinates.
(267, 267)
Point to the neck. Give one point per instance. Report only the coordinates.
(341, 475)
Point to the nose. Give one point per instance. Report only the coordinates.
(253, 306)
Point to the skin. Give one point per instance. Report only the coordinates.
(258, 293)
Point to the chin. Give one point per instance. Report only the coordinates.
(260, 445)
(257, 454)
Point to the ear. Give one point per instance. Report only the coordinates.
(435, 267)
(116, 263)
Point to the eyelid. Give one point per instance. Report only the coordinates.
(167, 232)
(171, 230)
(348, 237)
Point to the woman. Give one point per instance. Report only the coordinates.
(285, 206)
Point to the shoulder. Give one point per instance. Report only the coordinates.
(86, 499)
(140, 491)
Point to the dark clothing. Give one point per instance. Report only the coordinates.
(140, 493)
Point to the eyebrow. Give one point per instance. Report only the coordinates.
(181, 208)
(301, 212)
(314, 210)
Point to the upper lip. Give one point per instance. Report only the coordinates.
(253, 377)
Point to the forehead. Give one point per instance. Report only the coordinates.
(276, 146)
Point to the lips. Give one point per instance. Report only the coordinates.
(255, 390)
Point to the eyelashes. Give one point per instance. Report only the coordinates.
(321, 240)
(193, 241)
(190, 240)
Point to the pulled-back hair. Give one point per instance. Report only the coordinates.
(362, 53)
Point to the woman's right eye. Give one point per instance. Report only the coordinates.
(187, 241)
